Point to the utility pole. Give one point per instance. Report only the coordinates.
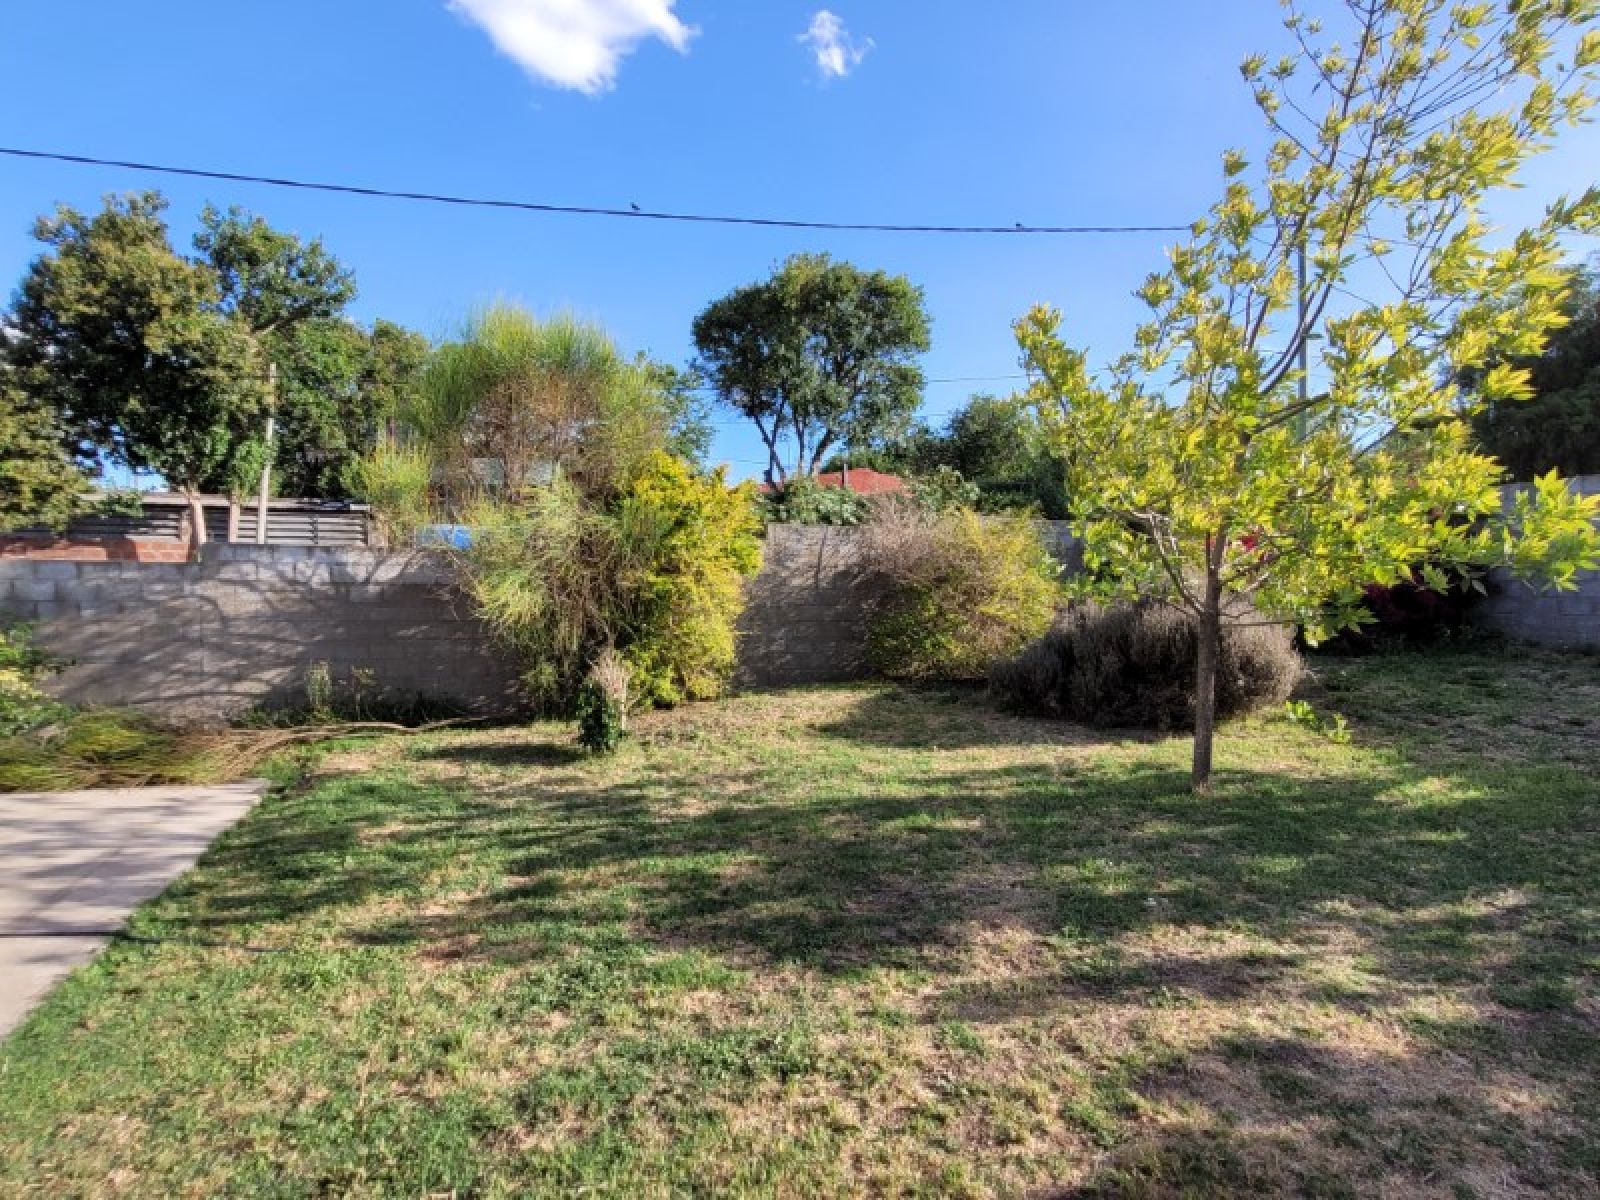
(266, 462)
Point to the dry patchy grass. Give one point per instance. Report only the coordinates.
(866, 940)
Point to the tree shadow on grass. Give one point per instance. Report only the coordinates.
(1283, 1115)
(954, 717)
(581, 877)
(855, 877)
(1108, 975)
(513, 750)
(855, 880)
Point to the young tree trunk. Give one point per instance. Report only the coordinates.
(197, 521)
(1205, 682)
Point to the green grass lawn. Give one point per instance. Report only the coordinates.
(868, 940)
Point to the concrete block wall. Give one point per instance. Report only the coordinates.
(804, 620)
(1569, 619)
(207, 640)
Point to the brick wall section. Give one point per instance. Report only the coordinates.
(207, 640)
(1570, 619)
(111, 549)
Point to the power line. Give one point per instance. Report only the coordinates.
(632, 211)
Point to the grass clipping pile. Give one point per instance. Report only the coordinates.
(95, 748)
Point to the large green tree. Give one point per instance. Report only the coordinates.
(1558, 427)
(821, 355)
(997, 443)
(129, 344)
(340, 389)
(338, 384)
(687, 407)
(39, 485)
(163, 362)
(1201, 472)
(270, 280)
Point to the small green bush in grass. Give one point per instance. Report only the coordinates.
(1133, 665)
(22, 705)
(603, 704)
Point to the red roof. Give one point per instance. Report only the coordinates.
(864, 481)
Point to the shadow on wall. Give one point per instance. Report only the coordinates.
(804, 620)
(1566, 619)
(206, 641)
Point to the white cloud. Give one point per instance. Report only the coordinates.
(575, 43)
(836, 52)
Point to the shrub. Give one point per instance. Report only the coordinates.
(22, 705)
(603, 704)
(542, 575)
(944, 489)
(654, 572)
(804, 501)
(517, 400)
(956, 591)
(395, 480)
(1134, 666)
(1411, 613)
(690, 540)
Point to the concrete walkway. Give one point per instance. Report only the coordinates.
(73, 865)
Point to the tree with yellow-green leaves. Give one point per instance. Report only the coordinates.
(1287, 441)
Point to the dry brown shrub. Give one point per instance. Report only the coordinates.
(1133, 665)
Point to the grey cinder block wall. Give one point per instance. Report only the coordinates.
(1570, 619)
(802, 621)
(205, 641)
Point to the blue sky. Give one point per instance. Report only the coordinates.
(1057, 112)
